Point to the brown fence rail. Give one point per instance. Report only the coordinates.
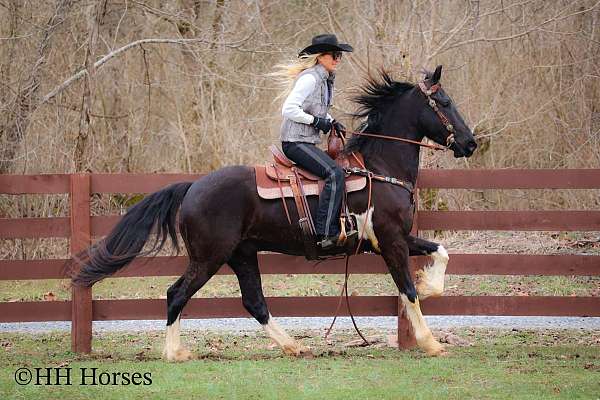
(80, 227)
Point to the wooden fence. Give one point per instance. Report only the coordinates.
(81, 226)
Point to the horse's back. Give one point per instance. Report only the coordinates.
(221, 196)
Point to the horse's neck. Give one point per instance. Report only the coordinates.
(400, 160)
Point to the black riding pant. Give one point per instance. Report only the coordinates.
(316, 161)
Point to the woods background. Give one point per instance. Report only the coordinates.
(182, 85)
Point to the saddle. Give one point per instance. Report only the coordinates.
(283, 178)
(273, 178)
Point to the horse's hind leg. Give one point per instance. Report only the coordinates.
(430, 280)
(244, 263)
(196, 276)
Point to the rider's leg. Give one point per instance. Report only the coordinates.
(316, 161)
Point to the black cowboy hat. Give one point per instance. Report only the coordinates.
(324, 43)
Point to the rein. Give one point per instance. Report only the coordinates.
(433, 146)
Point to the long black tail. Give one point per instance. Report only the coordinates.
(125, 242)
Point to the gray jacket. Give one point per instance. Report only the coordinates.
(317, 104)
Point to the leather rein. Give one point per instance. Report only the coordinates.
(433, 146)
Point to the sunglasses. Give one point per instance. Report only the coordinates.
(336, 55)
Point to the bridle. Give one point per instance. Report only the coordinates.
(436, 109)
(432, 103)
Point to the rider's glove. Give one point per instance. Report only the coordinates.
(322, 124)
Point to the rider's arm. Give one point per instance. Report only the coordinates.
(292, 107)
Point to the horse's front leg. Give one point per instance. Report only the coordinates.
(395, 254)
(430, 279)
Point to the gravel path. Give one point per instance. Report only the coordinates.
(236, 325)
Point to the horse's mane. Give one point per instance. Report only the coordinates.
(373, 97)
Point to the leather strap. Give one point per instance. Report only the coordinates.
(382, 178)
(347, 275)
(305, 220)
(305, 202)
(436, 109)
(287, 213)
(422, 144)
(297, 195)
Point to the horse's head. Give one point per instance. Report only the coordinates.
(440, 120)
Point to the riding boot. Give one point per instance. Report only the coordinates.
(327, 242)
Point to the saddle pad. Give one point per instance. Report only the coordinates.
(269, 188)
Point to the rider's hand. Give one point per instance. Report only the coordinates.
(322, 124)
(339, 128)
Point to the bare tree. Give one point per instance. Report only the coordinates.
(24, 100)
(169, 86)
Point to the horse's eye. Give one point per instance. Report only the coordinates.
(442, 100)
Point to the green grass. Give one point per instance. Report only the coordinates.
(308, 285)
(500, 365)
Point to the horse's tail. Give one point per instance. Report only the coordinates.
(125, 242)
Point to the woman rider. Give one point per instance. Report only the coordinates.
(305, 114)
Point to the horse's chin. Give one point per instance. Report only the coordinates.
(460, 152)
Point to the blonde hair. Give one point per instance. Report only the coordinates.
(285, 74)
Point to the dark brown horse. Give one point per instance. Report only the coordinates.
(223, 220)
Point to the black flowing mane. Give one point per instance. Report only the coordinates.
(374, 97)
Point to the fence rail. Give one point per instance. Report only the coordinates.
(460, 264)
(80, 227)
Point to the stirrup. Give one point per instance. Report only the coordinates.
(327, 242)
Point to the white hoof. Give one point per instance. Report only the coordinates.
(433, 348)
(178, 355)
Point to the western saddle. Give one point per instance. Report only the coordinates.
(283, 178)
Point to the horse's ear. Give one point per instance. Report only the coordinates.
(436, 75)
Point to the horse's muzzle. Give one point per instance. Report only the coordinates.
(464, 150)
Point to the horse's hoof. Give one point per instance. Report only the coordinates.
(306, 352)
(179, 355)
(435, 349)
(291, 350)
(296, 350)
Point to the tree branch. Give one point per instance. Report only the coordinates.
(518, 35)
(129, 46)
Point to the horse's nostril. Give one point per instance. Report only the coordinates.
(471, 145)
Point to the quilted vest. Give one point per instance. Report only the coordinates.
(317, 104)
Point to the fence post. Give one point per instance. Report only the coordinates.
(406, 335)
(81, 298)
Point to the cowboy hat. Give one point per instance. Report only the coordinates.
(324, 43)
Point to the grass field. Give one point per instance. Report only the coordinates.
(498, 365)
(307, 285)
